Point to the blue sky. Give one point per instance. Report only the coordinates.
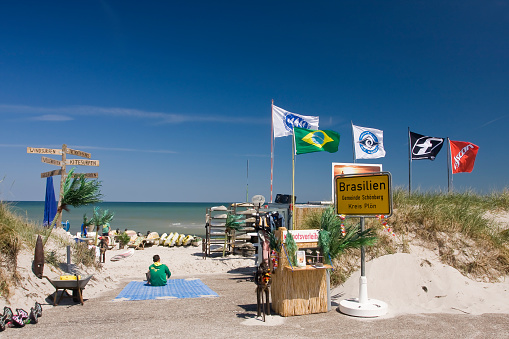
(174, 98)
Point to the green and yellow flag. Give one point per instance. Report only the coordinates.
(308, 140)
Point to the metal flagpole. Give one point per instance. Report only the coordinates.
(450, 159)
(363, 292)
(409, 163)
(247, 181)
(353, 143)
(293, 180)
(271, 147)
(448, 166)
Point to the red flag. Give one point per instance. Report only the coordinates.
(463, 156)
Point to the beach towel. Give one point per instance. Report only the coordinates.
(174, 289)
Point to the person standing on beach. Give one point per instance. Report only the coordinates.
(158, 273)
(106, 229)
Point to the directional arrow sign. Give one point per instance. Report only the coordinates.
(43, 150)
(79, 162)
(78, 153)
(51, 173)
(51, 161)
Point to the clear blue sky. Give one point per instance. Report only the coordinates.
(174, 98)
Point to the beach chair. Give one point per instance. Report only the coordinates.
(152, 239)
(138, 244)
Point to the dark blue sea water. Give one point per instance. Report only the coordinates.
(161, 217)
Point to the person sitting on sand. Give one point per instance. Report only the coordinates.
(158, 273)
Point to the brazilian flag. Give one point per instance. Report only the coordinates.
(308, 140)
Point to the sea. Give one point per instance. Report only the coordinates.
(161, 217)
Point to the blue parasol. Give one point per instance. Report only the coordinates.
(50, 204)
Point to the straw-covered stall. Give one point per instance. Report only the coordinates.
(299, 290)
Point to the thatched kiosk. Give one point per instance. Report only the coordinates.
(299, 290)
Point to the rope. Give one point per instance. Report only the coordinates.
(287, 257)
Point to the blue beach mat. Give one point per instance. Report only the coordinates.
(174, 289)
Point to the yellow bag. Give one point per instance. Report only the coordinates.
(69, 277)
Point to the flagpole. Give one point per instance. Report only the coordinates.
(450, 159)
(448, 166)
(409, 163)
(293, 180)
(271, 147)
(353, 143)
(247, 181)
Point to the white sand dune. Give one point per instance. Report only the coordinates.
(419, 283)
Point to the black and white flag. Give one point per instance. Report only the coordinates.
(424, 147)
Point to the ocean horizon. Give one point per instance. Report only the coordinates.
(161, 217)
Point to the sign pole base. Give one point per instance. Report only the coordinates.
(363, 306)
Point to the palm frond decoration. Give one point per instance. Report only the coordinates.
(274, 242)
(333, 243)
(77, 191)
(291, 248)
(232, 223)
(86, 222)
(324, 242)
(100, 218)
(353, 238)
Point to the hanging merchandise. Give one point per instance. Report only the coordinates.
(343, 229)
(383, 221)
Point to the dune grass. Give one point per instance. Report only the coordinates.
(17, 233)
(459, 226)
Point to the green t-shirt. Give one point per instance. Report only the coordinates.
(106, 228)
(159, 274)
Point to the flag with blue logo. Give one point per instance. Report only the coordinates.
(368, 142)
(284, 121)
(307, 141)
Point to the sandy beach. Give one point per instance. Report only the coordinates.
(425, 298)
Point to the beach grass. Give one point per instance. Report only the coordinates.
(17, 233)
(459, 226)
(11, 231)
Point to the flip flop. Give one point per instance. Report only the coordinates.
(33, 316)
(38, 309)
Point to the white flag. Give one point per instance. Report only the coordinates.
(369, 142)
(284, 121)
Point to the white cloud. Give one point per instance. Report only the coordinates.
(67, 113)
(119, 149)
(52, 117)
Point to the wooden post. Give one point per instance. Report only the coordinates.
(63, 176)
(62, 171)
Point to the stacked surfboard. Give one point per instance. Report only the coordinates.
(175, 239)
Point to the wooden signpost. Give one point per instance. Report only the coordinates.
(63, 163)
(51, 161)
(44, 150)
